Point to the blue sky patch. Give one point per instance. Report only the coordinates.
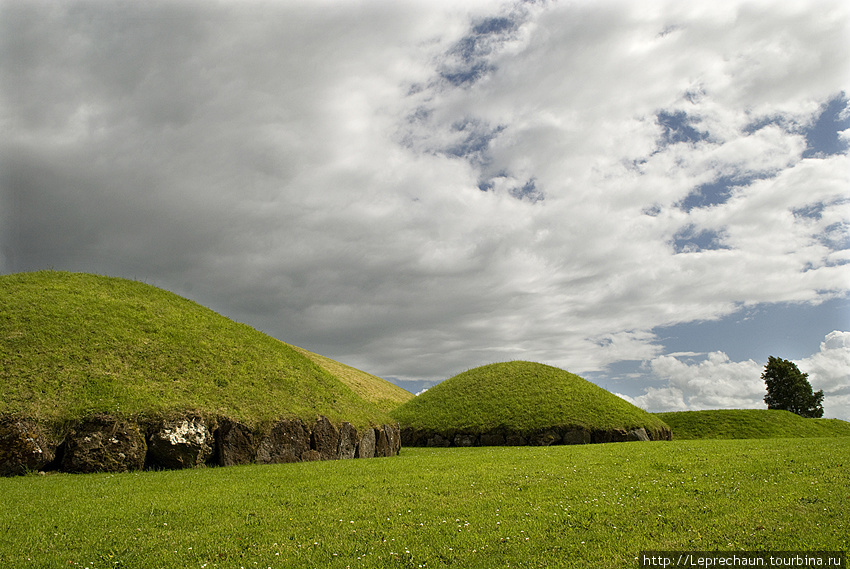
(690, 240)
(713, 193)
(784, 330)
(718, 191)
(836, 236)
(822, 137)
(470, 52)
(528, 192)
(810, 211)
(763, 122)
(468, 75)
(678, 127)
(475, 142)
(493, 26)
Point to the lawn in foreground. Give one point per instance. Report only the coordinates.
(564, 506)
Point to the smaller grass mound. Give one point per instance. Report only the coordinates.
(750, 424)
(522, 398)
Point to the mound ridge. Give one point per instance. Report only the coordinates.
(521, 402)
(750, 424)
(383, 394)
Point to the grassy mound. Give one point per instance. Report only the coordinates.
(521, 397)
(750, 424)
(72, 345)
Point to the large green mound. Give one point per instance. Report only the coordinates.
(520, 397)
(72, 345)
(750, 424)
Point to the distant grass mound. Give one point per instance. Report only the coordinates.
(72, 345)
(523, 398)
(750, 424)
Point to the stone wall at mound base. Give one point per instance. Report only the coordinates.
(107, 444)
(413, 437)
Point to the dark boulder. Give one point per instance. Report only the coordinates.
(347, 441)
(366, 445)
(382, 443)
(576, 436)
(324, 439)
(638, 434)
(180, 443)
(104, 444)
(413, 437)
(661, 434)
(234, 443)
(438, 440)
(514, 439)
(465, 440)
(545, 438)
(393, 438)
(311, 455)
(24, 446)
(492, 439)
(287, 441)
(619, 435)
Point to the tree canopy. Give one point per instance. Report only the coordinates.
(789, 389)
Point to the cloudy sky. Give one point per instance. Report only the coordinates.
(653, 194)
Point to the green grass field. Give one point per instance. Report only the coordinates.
(749, 424)
(565, 506)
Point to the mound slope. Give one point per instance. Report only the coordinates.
(521, 403)
(73, 345)
(750, 424)
(377, 391)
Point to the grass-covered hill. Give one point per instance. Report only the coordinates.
(72, 345)
(750, 424)
(520, 397)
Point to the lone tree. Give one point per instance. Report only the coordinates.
(789, 389)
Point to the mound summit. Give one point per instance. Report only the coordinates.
(518, 403)
(78, 350)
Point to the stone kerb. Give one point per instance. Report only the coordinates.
(25, 446)
(567, 435)
(104, 444)
(107, 444)
(180, 443)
